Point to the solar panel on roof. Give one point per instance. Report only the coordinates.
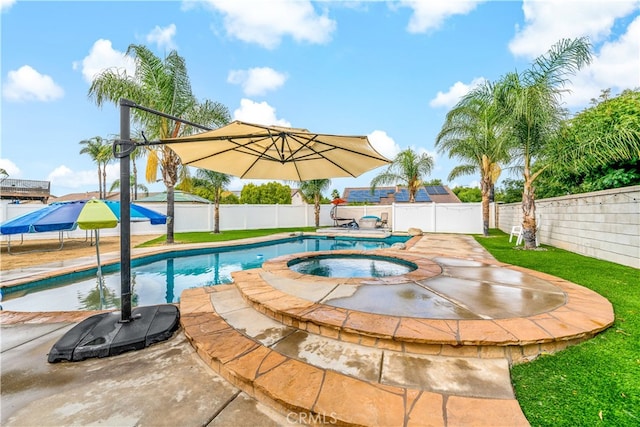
(402, 195)
(422, 196)
(436, 190)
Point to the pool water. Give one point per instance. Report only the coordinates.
(161, 278)
(351, 266)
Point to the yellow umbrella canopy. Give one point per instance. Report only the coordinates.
(255, 151)
(96, 214)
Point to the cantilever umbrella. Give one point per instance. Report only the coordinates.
(255, 151)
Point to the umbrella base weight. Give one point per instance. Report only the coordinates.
(104, 334)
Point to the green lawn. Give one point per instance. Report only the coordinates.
(593, 383)
(204, 237)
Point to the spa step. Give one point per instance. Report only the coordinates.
(314, 377)
(299, 303)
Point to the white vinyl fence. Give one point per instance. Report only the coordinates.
(603, 224)
(429, 217)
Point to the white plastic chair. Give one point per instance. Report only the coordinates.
(516, 231)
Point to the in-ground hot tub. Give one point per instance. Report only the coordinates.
(351, 265)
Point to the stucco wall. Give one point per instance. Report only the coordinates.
(603, 224)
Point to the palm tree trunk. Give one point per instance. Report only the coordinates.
(170, 213)
(104, 181)
(316, 200)
(216, 214)
(135, 179)
(99, 181)
(486, 188)
(528, 214)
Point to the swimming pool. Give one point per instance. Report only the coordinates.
(338, 265)
(161, 278)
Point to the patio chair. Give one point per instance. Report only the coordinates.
(348, 222)
(384, 220)
(516, 231)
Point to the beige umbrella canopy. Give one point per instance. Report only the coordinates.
(274, 152)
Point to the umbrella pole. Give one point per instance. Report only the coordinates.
(125, 215)
(104, 334)
(99, 272)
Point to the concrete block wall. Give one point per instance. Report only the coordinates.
(602, 224)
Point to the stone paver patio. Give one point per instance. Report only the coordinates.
(356, 352)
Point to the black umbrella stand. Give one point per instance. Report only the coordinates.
(110, 334)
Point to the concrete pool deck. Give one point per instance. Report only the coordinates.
(295, 348)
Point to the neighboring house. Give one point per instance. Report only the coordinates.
(296, 197)
(389, 195)
(83, 196)
(18, 190)
(178, 197)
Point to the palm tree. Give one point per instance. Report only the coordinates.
(162, 85)
(106, 157)
(136, 154)
(100, 152)
(312, 190)
(408, 170)
(474, 133)
(216, 183)
(531, 103)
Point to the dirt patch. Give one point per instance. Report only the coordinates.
(22, 256)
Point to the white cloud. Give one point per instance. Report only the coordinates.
(546, 22)
(64, 177)
(384, 144)
(257, 81)
(429, 15)
(452, 96)
(6, 4)
(103, 56)
(258, 113)
(267, 22)
(615, 64)
(11, 168)
(27, 84)
(163, 37)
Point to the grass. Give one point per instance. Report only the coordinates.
(596, 382)
(206, 236)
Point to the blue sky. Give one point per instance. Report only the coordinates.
(388, 70)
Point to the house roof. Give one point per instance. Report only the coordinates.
(83, 196)
(179, 197)
(389, 195)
